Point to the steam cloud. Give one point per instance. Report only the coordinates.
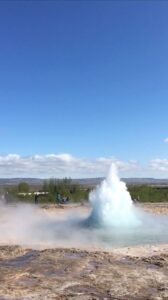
(28, 225)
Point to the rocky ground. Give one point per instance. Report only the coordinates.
(156, 208)
(78, 274)
(128, 273)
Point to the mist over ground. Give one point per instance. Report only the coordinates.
(31, 226)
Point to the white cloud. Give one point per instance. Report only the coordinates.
(58, 165)
(166, 140)
(122, 165)
(159, 164)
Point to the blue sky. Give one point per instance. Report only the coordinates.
(83, 81)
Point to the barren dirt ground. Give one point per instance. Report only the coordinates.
(122, 274)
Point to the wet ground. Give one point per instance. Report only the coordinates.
(76, 274)
(123, 274)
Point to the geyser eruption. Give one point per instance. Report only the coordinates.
(112, 203)
(112, 221)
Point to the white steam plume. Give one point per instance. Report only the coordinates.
(112, 203)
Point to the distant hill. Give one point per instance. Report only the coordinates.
(85, 181)
(150, 181)
(16, 181)
(129, 181)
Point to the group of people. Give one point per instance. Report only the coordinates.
(61, 200)
(58, 199)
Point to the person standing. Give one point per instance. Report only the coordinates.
(58, 198)
(36, 199)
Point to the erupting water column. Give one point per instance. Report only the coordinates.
(112, 204)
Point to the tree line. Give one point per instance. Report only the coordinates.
(76, 192)
(65, 187)
(147, 193)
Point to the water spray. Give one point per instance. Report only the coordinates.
(112, 203)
